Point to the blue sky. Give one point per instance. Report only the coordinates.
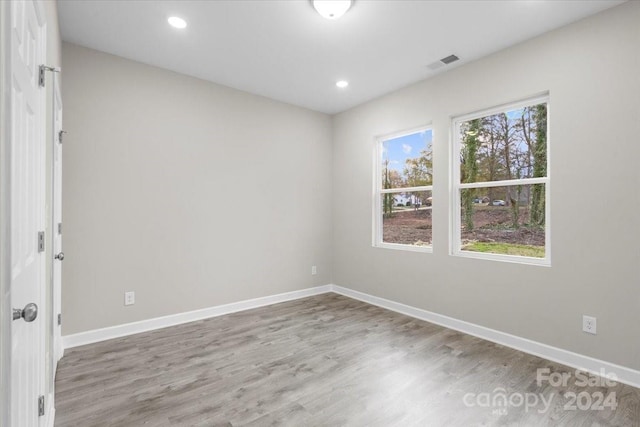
(514, 114)
(397, 150)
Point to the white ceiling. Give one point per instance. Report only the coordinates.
(285, 51)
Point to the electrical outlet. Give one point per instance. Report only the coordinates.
(314, 270)
(589, 324)
(129, 298)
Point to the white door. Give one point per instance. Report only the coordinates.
(27, 34)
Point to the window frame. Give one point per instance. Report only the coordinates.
(378, 191)
(455, 207)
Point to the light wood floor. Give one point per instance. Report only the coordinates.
(326, 360)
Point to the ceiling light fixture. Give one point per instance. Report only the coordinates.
(342, 84)
(176, 22)
(331, 9)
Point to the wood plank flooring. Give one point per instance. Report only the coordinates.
(326, 360)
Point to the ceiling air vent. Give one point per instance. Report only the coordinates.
(449, 59)
(444, 61)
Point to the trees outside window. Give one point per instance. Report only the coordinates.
(501, 183)
(403, 184)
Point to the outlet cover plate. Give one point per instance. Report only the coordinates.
(129, 298)
(589, 324)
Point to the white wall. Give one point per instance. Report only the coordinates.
(189, 193)
(591, 71)
(154, 162)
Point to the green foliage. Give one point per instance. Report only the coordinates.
(387, 199)
(393, 177)
(509, 145)
(469, 169)
(418, 170)
(539, 164)
(506, 249)
(515, 206)
(505, 146)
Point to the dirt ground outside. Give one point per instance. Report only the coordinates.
(491, 224)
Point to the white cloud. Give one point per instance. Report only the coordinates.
(406, 148)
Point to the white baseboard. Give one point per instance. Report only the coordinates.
(578, 361)
(96, 335)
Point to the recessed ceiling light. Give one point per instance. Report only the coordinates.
(331, 9)
(176, 22)
(342, 84)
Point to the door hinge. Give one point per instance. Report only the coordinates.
(59, 319)
(40, 241)
(59, 228)
(61, 135)
(43, 69)
(40, 406)
(41, 80)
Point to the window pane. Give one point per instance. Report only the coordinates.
(406, 218)
(508, 145)
(407, 161)
(504, 220)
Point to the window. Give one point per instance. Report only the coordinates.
(403, 184)
(501, 183)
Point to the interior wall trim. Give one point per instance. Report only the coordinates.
(103, 334)
(578, 361)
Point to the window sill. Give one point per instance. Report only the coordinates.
(400, 247)
(544, 262)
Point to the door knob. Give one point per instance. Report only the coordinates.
(60, 256)
(29, 313)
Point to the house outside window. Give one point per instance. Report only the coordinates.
(403, 191)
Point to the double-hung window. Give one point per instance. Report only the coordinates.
(500, 197)
(402, 196)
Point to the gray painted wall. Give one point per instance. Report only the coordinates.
(195, 195)
(591, 71)
(189, 193)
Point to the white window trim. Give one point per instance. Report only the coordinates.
(377, 231)
(456, 186)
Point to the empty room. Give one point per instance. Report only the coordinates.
(319, 213)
